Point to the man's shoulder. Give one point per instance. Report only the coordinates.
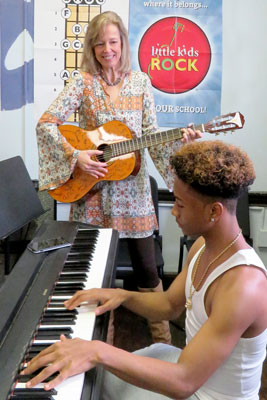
(244, 282)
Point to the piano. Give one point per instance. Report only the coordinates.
(32, 311)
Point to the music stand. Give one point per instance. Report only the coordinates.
(19, 202)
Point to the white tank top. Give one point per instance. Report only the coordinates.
(239, 377)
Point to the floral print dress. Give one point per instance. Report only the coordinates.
(124, 205)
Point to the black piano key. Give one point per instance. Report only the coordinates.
(30, 356)
(34, 393)
(77, 268)
(60, 289)
(33, 397)
(78, 263)
(51, 321)
(37, 348)
(53, 334)
(78, 249)
(69, 286)
(85, 236)
(47, 331)
(58, 317)
(60, 313)
(26, 378)
(80, 278)
(52, 337)
(79, 255)
(65, 292)
(83, 256)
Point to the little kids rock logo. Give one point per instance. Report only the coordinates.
(176, 54)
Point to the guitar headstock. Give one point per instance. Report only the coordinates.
(228, 122)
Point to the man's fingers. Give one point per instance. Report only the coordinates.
(63, 374)
(79, 298)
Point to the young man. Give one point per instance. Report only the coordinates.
(223, 286)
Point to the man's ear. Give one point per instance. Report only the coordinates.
(216, 210)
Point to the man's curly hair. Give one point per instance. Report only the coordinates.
(214, 168)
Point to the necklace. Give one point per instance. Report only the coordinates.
(116, 82)
(192, 290)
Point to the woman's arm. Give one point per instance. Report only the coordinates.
(56, 161)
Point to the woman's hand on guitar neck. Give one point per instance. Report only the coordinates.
(86, 163)
(189, 134)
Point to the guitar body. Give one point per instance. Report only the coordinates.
(118, 167)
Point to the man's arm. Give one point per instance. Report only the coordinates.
(154, 306)
(233, 313)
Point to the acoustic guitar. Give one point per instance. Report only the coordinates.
(120, 150)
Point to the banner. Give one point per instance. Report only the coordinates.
(16, 58)
(179, 45)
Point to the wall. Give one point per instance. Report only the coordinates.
(244, 86)
(244, 81)
(171, 235)
(171, 232)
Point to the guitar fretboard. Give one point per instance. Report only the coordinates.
(129, 146)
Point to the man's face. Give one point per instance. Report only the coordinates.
(190, 209)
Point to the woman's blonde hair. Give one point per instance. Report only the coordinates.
(89, 62)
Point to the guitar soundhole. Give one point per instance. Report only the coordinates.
(106, 156)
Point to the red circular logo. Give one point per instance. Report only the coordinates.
(175, 53)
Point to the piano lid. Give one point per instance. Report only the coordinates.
(19, 201)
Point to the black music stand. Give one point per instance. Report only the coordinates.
(19, 202)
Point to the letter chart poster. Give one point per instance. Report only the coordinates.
(179, 45)
(59, 31)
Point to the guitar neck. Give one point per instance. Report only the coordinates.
(129, 146)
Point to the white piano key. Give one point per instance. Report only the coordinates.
(45, 341)
(71, 388)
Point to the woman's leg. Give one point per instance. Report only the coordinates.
(142, 253)
(144, 265)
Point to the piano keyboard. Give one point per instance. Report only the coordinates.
(83, 268)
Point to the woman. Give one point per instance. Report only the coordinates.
(106, 90)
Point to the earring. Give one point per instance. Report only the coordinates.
(212, 220)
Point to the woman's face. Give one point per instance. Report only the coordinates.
(108, 47)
